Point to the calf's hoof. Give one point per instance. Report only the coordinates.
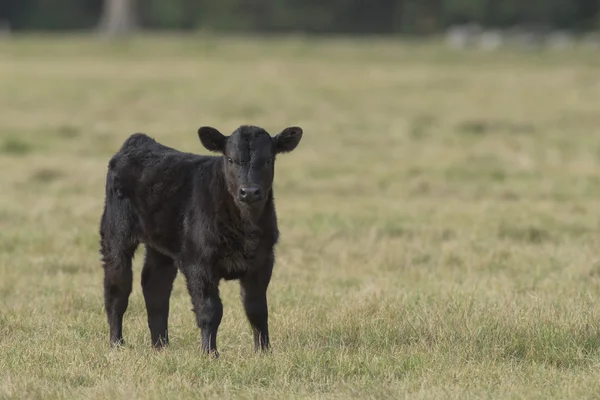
(161, 344)
(117, 342)
(211, 354)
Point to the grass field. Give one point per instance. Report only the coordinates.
(439, 219)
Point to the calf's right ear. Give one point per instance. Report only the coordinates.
(212, 139)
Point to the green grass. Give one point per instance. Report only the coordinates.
(439, 219)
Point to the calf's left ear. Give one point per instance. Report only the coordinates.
(287, 139)
(212, 139)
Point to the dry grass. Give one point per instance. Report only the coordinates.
(439, 220)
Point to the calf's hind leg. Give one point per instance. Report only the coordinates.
(117, 245)
(157, 283)
(117, 288)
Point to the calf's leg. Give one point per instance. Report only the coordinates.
(118, 242)
(207, 307)
(254, 299)
(117, 288)
(158, 275)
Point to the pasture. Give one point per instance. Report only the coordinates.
(439, 220)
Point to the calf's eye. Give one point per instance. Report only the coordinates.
(229, 160)
(268, 161)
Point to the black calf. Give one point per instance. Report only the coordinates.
(211, 217)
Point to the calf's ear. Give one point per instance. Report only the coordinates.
(212, 139)
(287, 139)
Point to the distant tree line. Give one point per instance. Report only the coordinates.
(311, 16)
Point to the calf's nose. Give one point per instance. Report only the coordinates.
(249, 194)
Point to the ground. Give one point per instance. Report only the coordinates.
(439, 220)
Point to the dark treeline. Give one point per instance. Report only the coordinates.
(311, 16)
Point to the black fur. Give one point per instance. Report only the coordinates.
(211, 217)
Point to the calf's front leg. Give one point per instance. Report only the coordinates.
(254, 299)
(207, 307)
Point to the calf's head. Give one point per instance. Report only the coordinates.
(249, 159)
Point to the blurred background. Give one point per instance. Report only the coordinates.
(530, 22)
